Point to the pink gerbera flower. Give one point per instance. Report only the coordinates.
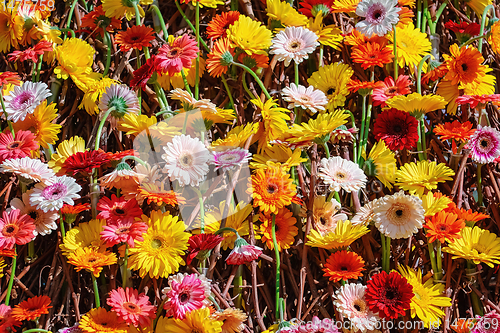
(6, 318)
(15, 229)
(124, 232)
(118, 210)
(132, 307)
(243, 253)
(173, 58)
(184, 296)
(484, 145)
(18, 147)
(387, 89)
(230, 158)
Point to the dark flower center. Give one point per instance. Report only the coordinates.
(14, 145)
(377, 15)
(357, 307)
(465, 67)
(33, 214)
(397, 128)
(131, 307)
(343, 268)
(10, 229)
(134, 38)
(399, 212)
(390, 294)
(272, 188)
(119, 211)
(91, 260)
(184, 297)
(443, 227)
(156, 243)
(484, 143)
(330, 91)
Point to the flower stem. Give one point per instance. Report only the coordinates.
(96, 292)
(424, 142)
(125, 268)
(190, 24)
(36, 330)
(362, 132)
(395, 54)
(221, 230)
(237, 290)
(439, 260)
(261, 85)
(11, 279)
(197, 64)
(432, 256)
(5, 113)
(245, 86)
(70, 15)
(327, 150)
(101, 125)
(483, 24)
(202, 212)
(107, 39)
(384, 244)
(471, 274)
(419, 73)
(61, 222)
(419, 143)
(367, 125)
(228, 90)
(479, 185)
(135, 158)
(37, 67)
(278, 264)
(137, 13)
(162, 21)
(419, 14)
(186, 84)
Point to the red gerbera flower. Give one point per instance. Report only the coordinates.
(388, 88)
(32, 308)
(243, 253)
(32, 53)
(135, 37)
(143, 73)
(397, 128)
(117, 156)
(389, 295)
(366, 86)
(311, 8)
(118, 210)
(475, 100)
(463, 30)
(6, 319)
(372, 54)
(84, 162)
(200, 246)
(219, 24)
(97, 20)
(19, 147)
(9, 77)
(115, 233)
(173, 58)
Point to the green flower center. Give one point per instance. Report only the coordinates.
(156, 243)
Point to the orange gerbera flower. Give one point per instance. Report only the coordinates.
(356, 38)
(153, 193)
(435, 73)
(455, 130)
(9, 78)
(365, 86)
(32, 308)
(468, 216)
(464, 65)
(271, 188)
(285, 229)
(11, 253)
(371, 54)
(91, 260)
(405, 17)
(463, 325)
(444, 226)
(135, 37)
(220, 58)
(96, 20)
(219, 24)
(343, 265)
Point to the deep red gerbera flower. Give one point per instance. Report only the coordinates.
(311, 8)
(84, 162)
(389, 295)
(173, 58)
(143, 73)
(19, 147)
(9, 77)
(31, 53)
(463, 30)
(118, 210)
(97, 20)
(388, 88)
(218, 26)
(397, 128)
(200, 246)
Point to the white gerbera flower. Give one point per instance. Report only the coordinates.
(63, 190)
(341, 173)
(187, 160)
(44, 222)
(29, 169)
(24, 99)
(379, 16)
(294, 43)
(306, 98)
(399, 215)
(350, 301)
(122, 99)
(365, 214)
(230, 158)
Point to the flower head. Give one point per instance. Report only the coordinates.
(200, 246)
(229, 159)
(454, 130)
(63, 189)
(84, 162)
(97, 19)
(444, 226)
(233, 319)
(18, 147)
(28, 169)
(343, 265)
(118, 210)
(372, 54)
(311, 8)
(132, 307)
(341, 173)
(332, 80)
(32, 308)
(220, 58)
(118, 8)
(380, 16)
(101, 321)
(172, 58)
(198, 320)
(9, 78)
(294, 43)
(44, 221)
(285, 229)
(91, 259)
(412, 45)
(464, 65)
(24, 99)
(345, 234)
(243, 253)
(249, 35)
(422, 176)
(484, 145)
(308, 98)
(350, 301)
(6, 318)
(121, 100)
(184, 296)
(389, 88)
(325, 215)
(135, 37)
(219, 24)
(381, 163)
(15, 229)
(416, 104)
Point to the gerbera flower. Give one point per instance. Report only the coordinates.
(325, 215)
(271, 189)
(249, 35)
(454, 130)
(157, 194)
(24, 99)
(128, 232)
(118, 9)
(416, 104)
(28, 169)
(98, 21)
(121, 99)
(83, 236)
(135, 37)
(144, 73)
(428, 299)
(11, 29)
(281, 15)
(484, 144)
(412, 45)
(345, 234)
(118, 210)
(343, 265)
(294, 43)
(70, 212)
(243, 253)
(468, 216)
(6, 319)
(200, 246)
(32, 308)
(134, 124)
(9, 78)
(487, 323)
(464, 65)
(365, 215)
(52, 197)
(65, 149)
(319, 128)
(217, 27)
(443, 226)
(475, 100)
(184, 296)
(73, 329)
(422, 176)
(387, 89)
(433, 203)
(381, 163)
(494, 37)
(132, 307)
(332, 80)
(285, 229)
(233, 319)
(172, 58)
(84, 162)
(101, 321)
(44, 222)
(15, 229)
(159, 255)
(364, 87)
(341, 173)
(436, 72)
(91, 259)
(228, 159)
(372, 54)
(477, 245)
(463, 30)
(389, 295)
(122, 177)
(399, 215)
(199, 320)
(31, 53)
(350, 302)
(93, 93)
(187, 160)
(18, 147)
(274, 122)
(307, 98)
(220, 58)
(311, 8)
(77, 67)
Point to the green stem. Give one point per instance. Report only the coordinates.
(186, 84)
(137, 13)
(101, 125)
(221, 230)
(125, 268)
(190, 24)
(278, 264)
(419, 14)
(70, 15)
(135, 158)
(439, 260)
(354, 143)
(245, 86)
(107, 39)
(367, 125)
(197, 64)
(419, 73)
(424, 16)
(476, 302)
(483, 24)
(5, 113)
(336, 195)
(66, 30)
(384, 245)
(261, 85)
(424, 142)
(162, 22)
(228, 90)
(472, 40)
(237, 290)
(160, 100)
(362, 132)
(396, 66)
(214, 302)
(479, 185)
(432, 256)
(36, 330)
(234, 5)
(419, 144)
(386, 252)
(11, 279)
(438, 14)
(327, 150)
(61, 223)
(202, 212)
(96, 291)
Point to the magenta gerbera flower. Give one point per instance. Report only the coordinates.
(118, 210)
(184, 296)
(18, 147)
(132, 307)
(15, 229)
(230, 158)
(173, 58)
(484, 145)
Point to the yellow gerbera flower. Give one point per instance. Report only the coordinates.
(328, 35)
(65, 150)
(332, 80)
(101, 321)
(120, 8)
(199, 321)
(249, 35)
(382, 164)
(40, 123)
(133, 124)
(285, 14)
(449, 92)
(317, 128)
(95, 89)
(159, 254)
(344, 235)
(434, 203)
(476, 244)
(494, 38)
(412, 45)
(75, 58)
(428, 299)
(345, 6)
(233, 320)
(478, 5)
(220, 116)
(273, 122)
(84, 235)
(3, 264)
(45, 30)
(11, 30)
(238, 136)
(278, 153)
(208, 3)
(416, 104)
(421, 176)
(91, 260)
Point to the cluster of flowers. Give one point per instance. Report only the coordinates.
(272, 173)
